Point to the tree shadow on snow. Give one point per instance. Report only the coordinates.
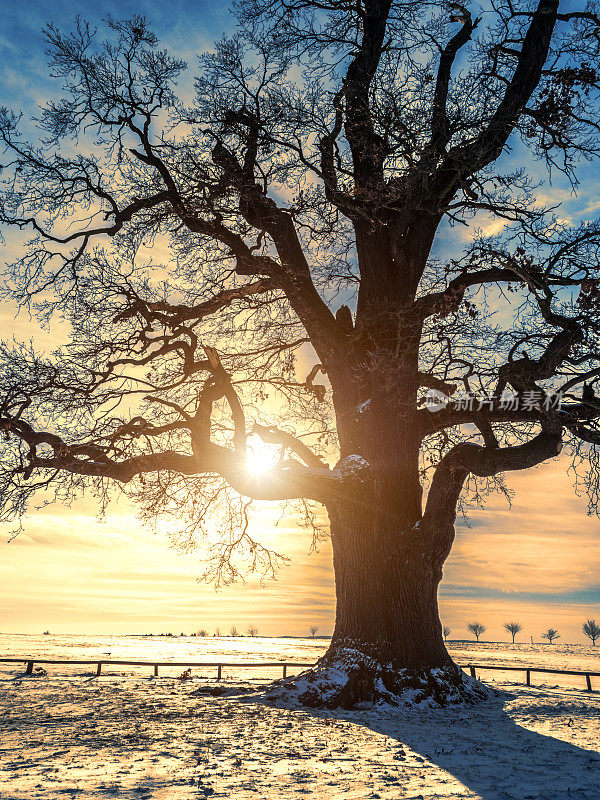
(490, 753)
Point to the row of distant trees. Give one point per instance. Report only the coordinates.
(252, 630)
(590, 628)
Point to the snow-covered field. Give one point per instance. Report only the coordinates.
(128, 735)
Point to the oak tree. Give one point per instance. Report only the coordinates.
(338, 224)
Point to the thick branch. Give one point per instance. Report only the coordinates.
(174, 315)
(290, 481)
(294, 276)
(440, 124)
(470, 157)
(464, 458)
(367, 147)
(239, 418)
(276, 436)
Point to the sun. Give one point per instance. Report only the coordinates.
(260, 457)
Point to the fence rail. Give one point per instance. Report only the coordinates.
(156, 664)
(99, 663)
(529, 670)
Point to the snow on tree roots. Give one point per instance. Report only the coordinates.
(353, 681)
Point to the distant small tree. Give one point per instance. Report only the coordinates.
(233, 631)
(217, 632)
(202, 632)
(446, 632)
(252, 630)
(513, 628)
(476, 629)
(591, 630)
(313, 629)
(551, 635)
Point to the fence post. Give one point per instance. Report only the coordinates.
(29, 669)
(99, 669)
(472, 670)
(285, 670)
(156, 670)
(219, 668)
(528, 677)
(588, 681)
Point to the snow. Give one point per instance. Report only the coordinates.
(128, 735)
(356, 675)
(360, 409)
(353, 467)
(163, 648)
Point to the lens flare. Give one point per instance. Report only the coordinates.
(260, 457)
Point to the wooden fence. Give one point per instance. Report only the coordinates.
(278, 664)
(529, 670)
(156, 664)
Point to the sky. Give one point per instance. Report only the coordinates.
(537, 563)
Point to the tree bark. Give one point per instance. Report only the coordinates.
(386, 588)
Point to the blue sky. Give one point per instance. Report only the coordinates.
(183, 26)
(539, 562)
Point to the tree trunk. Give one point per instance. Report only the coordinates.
(388, 555)
(386, 589)
(387, 644)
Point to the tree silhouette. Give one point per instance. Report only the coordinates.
(252, 630)
(513, 628)
(264, 265)
(313, 629)
(476, 629)
(591, 629)
(446, 631)
(551, 635)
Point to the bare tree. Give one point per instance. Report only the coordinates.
(313, 629)
(513, 628)
(202, 632)
(203, 255)
(591, 629)
(551, 635)
(233, 631)
(252, 630)
(476, 629)
(446, 631)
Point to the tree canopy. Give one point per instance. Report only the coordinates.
(260, 261)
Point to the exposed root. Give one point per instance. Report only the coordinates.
(360, 687)
(351, 680)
